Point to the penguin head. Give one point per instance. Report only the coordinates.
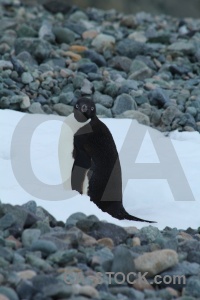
(84, 109)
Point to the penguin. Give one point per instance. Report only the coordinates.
(96, 160)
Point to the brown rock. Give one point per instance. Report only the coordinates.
(136, 241)
(185, 235)
(73, 56)
(78, 48)
(90, 34)
(17, 243)
(85, 290)
(88, 240)
(27, 274)
(107, 242)
(156, 261)
(131, 230)
(173, 292)
(3, 297)
(142, 285)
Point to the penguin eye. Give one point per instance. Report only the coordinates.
(92, 108)
(77, 106)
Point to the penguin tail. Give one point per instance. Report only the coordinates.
(123, 215)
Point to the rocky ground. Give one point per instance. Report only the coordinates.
(134, 66)
(40, 258)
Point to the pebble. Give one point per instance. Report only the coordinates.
(46, 247)
(5, 65)
(36, 108)
(156, 261)
(123, 103)
(25, 103)
(9, 293)
(88, 68)
(63, 109)
(106, 242)
(103, 42)
(136, 115)
(64, 35)
(86, 290)
(29, 236)
(27, 274)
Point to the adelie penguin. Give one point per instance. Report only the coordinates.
(96, 161)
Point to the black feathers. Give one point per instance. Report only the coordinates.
(95, 155)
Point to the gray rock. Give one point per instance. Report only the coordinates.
(78, 81)
(30, 206)
(123, 262)
(26, 31)
(87, 87)
(137, 115)
(121, 63)
(38, 263)
(9, 293)
(46, 33)
(40, 49)
(6, 254)
(46, 247)
(95, 57)
(74, 218)
(7, 221)
(101, 110)
(104, 255)
(100, 230)
(184, 47)
(59, 6)
(104, 100)
(169, 114)
(25, 289)
(139, 70)
(98, 86)
(111, 89)
(77, 16)
(194, 256)
(88, 68)
(26, 59)
(158, 97)
(131, 48)
(18, 259)
(122, 103)
(64, 35)
(26, 78)
(63, 258)
(141, 99)
(191, 110)
(4, 64)
(150, 233)
(183, 268)
(29, 236)
(130, 84)
(193, 287)
(36, 108)
(66, 98)
(103, 42)
(129, 293)
(63, 109)
(59, 291)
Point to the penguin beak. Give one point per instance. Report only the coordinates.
(84, 108)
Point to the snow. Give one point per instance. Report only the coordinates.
(147, 198)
